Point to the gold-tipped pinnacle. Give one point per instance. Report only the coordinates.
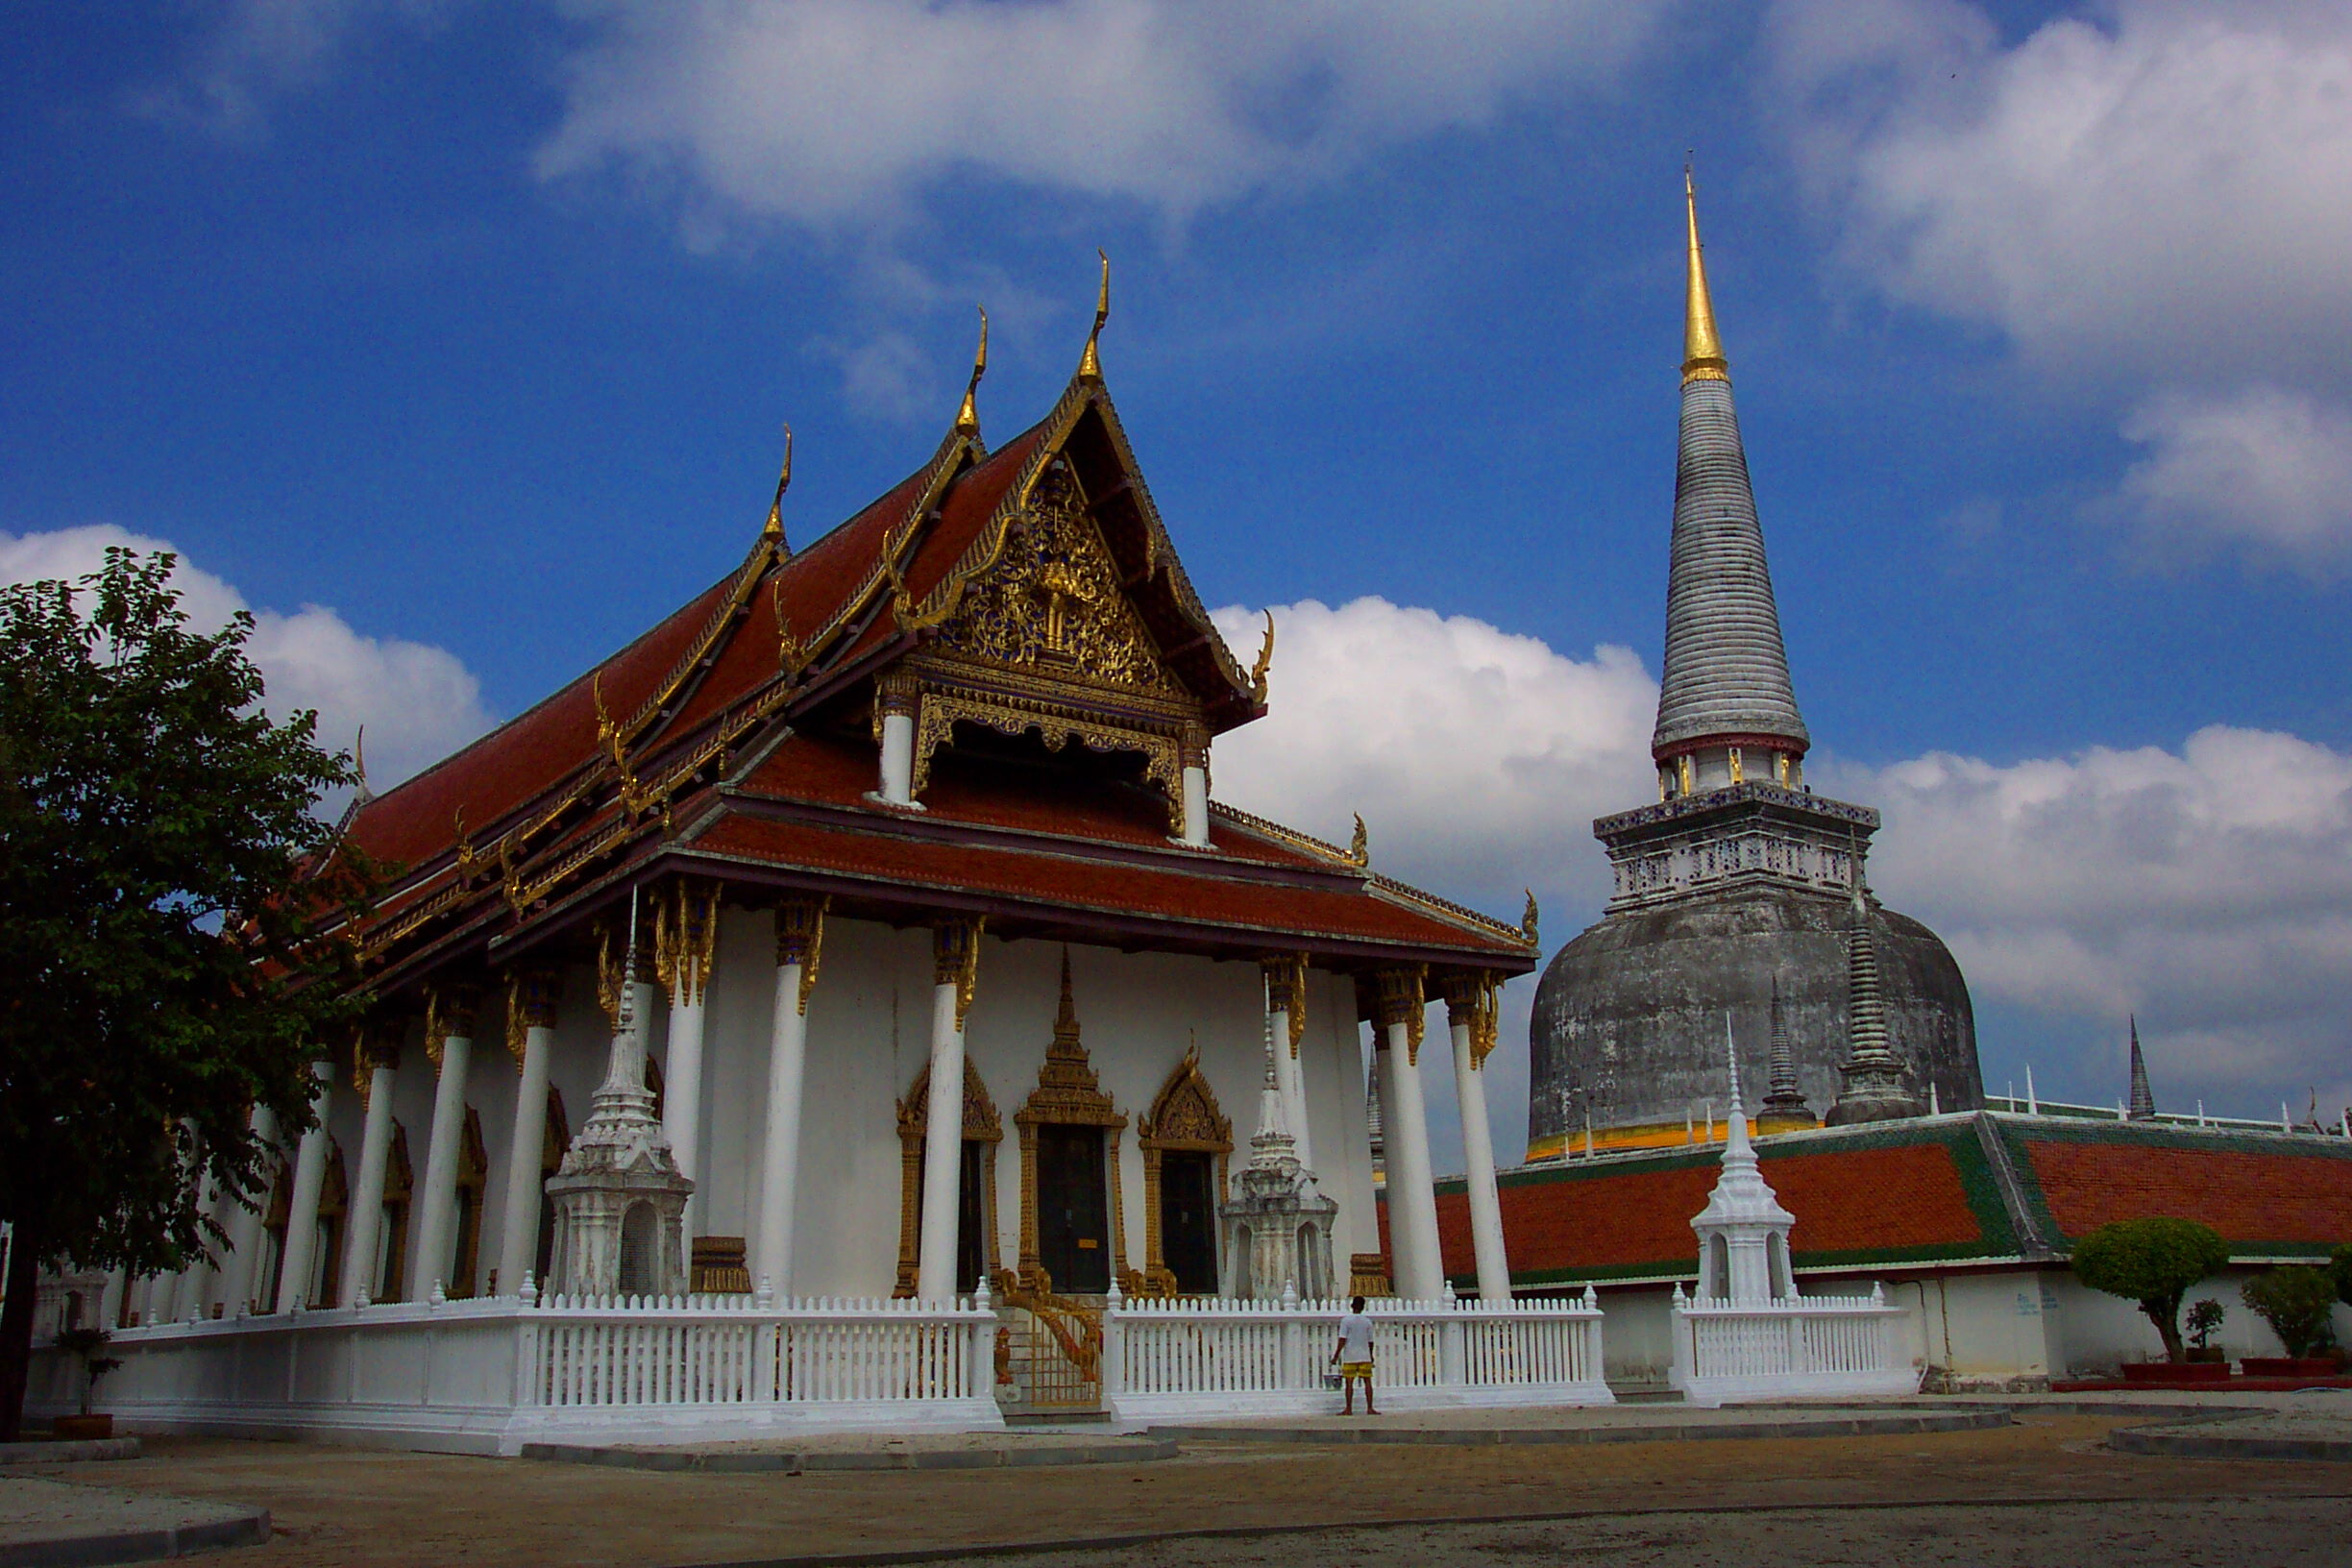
(1703, 354)
(968, 417)
(774, 532)
(1089, 364)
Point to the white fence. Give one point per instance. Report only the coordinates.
(1798, 1347)
(1216, 1356)
(489, 1375)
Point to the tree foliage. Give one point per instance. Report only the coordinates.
(2152, 1262)
(2339, 1264)
(161, 869)
(2297, 1303)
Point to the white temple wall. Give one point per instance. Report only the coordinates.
(738, 1002)
(1332, 1051)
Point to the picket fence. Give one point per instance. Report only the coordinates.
(1791, 1348)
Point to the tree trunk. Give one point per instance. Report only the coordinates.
(2166, 1316)
(16, 1332)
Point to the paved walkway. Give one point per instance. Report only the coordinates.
(1818, 1500)
(45, 1522)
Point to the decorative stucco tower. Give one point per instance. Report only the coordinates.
(1743, 1231)
(1735, 884)
(1278, 1230)
(619, 1199)
(1876, 1086)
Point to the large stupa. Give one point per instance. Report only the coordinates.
(1741, 893)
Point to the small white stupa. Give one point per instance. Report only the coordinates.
(1278, 1228)
(1743, 1231)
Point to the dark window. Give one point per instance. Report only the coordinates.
(972, 1221)
(1188, 1220)
(1074, 1209)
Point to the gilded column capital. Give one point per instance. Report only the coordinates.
(449, 1014)
(685, 935)
(1192, 746)
(1286, 983)
(1470, 997)
(1401, 999)
(800, 933)
(376, 1043)
(955, 954)
(895, 691)
(532, 995)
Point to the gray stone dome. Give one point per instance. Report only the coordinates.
(1629, 1016)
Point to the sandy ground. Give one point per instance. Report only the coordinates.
(2046, 1491)
(35, 1508)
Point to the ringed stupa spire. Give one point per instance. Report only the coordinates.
(1727, 709)
(2143, 1107)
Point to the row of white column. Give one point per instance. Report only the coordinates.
(800, 933)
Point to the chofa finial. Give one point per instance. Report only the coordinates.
(1090, 364)
(1266, 663)
(774, 532)
(968, 417)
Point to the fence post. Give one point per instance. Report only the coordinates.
(1114, 1337)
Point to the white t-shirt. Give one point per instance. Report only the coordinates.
(1355, 1338)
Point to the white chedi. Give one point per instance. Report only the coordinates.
(1743, 1231)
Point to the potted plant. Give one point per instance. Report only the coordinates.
(85, 1344)
(2297, 1302)
(2204, 1318)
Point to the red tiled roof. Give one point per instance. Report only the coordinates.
(2247, 1196)
(1188, 890)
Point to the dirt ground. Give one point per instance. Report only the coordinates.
(2043, 1492)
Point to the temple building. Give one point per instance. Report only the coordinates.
(867, 929)
(1740, 893)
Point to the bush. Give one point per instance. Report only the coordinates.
(2204, 1318)
(2340, 1266)
(2151, 1261)
(2296, 1303)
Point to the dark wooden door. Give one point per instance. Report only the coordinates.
(972, 1221)
(1188, 1220)
(1074, 1209)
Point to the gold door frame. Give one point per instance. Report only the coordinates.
(1183, 1116)
(1070, 1094)
(981, 1126)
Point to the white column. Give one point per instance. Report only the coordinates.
(1286, 1001)
(895, 702)
(1469, 1016)
(800, 925)
(955, 952)
(382, 1058)
(526, 1143)
(237, 1284)
(437, 1205)
(1413, 1202)
(303, 1203)
(1196, 808)
(688, 934)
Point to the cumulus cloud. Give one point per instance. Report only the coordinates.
(1477, 758)
(2162, 186)
(2265, 471)
(841, 113)
(2207, 889)
(418, 702)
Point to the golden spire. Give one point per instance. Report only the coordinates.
(774, 532)
(1702, 355)
(968, 417)
(1090, 364)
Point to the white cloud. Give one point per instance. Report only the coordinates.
(262, 49)
(2208, 888)
(418, 703)
(2265, 471)
(1478, 759)
(839, 115)
(2166, 187)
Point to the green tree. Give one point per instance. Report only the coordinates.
(2297, 1302)
(2152, 1262)
(2339, 1264)
(162, 872)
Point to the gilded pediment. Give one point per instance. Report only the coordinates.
(1051, 602)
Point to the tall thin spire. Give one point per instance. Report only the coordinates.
(1703, 354)
(1874, 1081)
(1785, 1098)
(1725, 677)
(2143, 1099)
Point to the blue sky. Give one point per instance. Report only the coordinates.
(473, 326)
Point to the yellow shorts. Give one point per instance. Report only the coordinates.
(1356, 1369)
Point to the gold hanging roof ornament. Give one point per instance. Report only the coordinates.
(1703, 354)
(968, 417)
(774, 532)
(1090, 364)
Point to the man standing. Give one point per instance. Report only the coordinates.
(1353, 1356)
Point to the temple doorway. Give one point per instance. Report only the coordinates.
(1188, 1221)
(1074, 1209)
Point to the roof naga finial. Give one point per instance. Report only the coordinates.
(359, 761)
(1266, 663)
(1703, 354)
(1090, 364)
(968, 417)
(774, 532)
(1359, 848)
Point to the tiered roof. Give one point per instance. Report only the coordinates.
(1981, 1187)
(737, 739)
